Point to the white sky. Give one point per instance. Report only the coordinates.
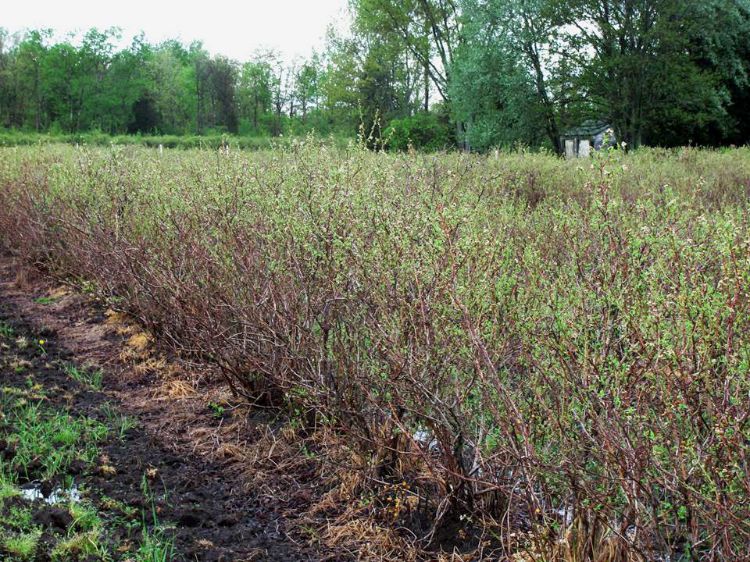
(229, 27)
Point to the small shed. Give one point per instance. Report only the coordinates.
(590, 135)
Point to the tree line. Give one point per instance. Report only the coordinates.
(426, 73)
(167, 88)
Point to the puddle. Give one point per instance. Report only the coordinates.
(33, 492)
(566, 514)
(426, 439)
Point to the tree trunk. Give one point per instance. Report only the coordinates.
(426, 88)
(550, 120)
(461, 138)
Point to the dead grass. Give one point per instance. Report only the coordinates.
(115, 318)
(59, 292)
(175, 389)
(139, 343)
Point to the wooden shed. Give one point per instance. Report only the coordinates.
(590, 135)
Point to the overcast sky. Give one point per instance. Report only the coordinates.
(234, 28)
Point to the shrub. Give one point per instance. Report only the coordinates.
(557, 346)
(425, 131)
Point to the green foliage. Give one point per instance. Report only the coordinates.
(495, 87)
(506, 73)
(50, 439)
(6, 331)
(254, 95)
(565, 334)
(217, 410)
(87, 377)
(661, 72)
(427, 31)
(423, 131)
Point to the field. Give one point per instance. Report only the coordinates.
(544, 358)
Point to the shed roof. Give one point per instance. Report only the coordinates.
(588, 128)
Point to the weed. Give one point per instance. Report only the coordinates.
(20, 367)
(156, 546)
(22, 546)
(80, 546)
(6, 331)
(217, 410)
(85, 517)
(8, 490)
(88, 377)
(50, 439)
(38, 443)
(117, 421)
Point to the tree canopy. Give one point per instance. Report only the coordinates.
(423, 73)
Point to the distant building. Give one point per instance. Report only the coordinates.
(590, 135)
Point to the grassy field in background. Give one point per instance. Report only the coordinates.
(555, 352)
(10, 138)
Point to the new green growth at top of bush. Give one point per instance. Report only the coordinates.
(564, 344)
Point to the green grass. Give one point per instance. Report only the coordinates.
(80, 546)
(156, 546)
(8, 489)
(49, 440)
(88, 377)
(117, 421)
(6, 331)
(22, 546)
(184, 142)
(43, 437)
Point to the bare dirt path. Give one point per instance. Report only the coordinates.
(182, 447)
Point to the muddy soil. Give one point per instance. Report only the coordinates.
(212, 516)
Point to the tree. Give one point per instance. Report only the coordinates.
(720, 50)
(308, 84)
(501, 75)
(131, 104)
(215, 85)
(172, 88)
(30, 56)
(59, 71)
(254, 90)
(644, 67)
(94, 100)
(428, 29)
(338, 85)
(664, 71)
(8, 99)
(279, 91)
(503, 71)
